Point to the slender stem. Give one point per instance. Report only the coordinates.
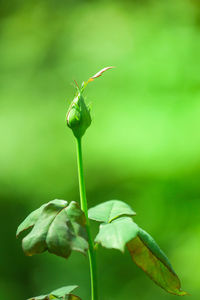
(91, 251)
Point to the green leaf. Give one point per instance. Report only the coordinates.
(59, 229)
(117, 233)
(67, 232)
(151, 259)
(42, 297)
(63, 293)
(108, 211)
(33, 217)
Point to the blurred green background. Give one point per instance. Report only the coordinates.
(143, 146)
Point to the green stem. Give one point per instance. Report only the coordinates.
(91, 251)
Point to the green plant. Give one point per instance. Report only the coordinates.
(61, 227)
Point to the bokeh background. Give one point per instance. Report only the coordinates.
(143, 146)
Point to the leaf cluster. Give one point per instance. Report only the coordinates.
(56, 227)
(59, 228)
(119, 231)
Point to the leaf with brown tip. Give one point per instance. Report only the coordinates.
(150, 258)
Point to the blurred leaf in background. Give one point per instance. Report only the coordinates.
(143, 145)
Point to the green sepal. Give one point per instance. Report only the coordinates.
(117, 233)
(151, 259)
(78, 116)
(59, 228)
(64, 293)
(108, 211)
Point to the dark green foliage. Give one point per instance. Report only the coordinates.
(63, 293)
(32, 218)
(117, 232)
(56, 227)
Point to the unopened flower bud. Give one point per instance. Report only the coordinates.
(78, 116)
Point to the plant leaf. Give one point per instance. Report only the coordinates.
(108, 211)
(151, 259)
(42, 297)
(117, 233)
(33, 217)
(68, 232)
(59, 229)
(63, 293)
